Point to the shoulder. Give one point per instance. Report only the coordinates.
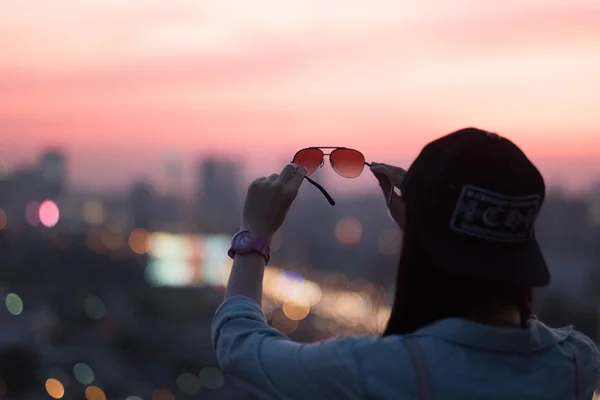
(588, 354)
(586, 346)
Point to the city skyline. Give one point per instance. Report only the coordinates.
(159, 172)
(119, 84)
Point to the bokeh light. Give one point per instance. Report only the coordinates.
(32, 213)
(348, 231)
(188, 383)
(3, 219)
(162, 394)
(54, 388)
(139, 241)
(83, 373)
(94, 393)
(296, 310)
(212, 378)
(350, 305)
(94, 213)
(14, 304)
(94, 307)
(282, 323)
(49, 213)
(112, 240)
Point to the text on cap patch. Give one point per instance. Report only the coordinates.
(493, 216)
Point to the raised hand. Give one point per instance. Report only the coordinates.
(269, 199)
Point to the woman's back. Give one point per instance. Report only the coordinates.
(461, 360)
(465, 360)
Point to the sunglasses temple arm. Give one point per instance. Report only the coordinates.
(327, 196)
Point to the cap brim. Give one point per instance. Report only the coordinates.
(521, 263)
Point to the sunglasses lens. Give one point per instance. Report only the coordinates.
(348, 163)
(310, 159)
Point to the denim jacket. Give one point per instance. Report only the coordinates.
(461, 360)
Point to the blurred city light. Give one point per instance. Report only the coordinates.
(282, 323)
(94, 212)
(188, 383)
(14, 304)
(32, 213)
(211, 378)
(295, 310)
(162, 394)
(49, 213)
(94, 307)
(3, 219)
(94, 393)
(348, 231)
(139, 241)
(83, 374)
(54, 388)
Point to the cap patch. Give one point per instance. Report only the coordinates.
(493, 216)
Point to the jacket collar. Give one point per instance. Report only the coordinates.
(535, 337)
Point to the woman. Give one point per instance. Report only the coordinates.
(460, 326)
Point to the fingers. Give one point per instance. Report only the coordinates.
(395, 174)
(394, 169)
(273, 177)
(298, 177)
(287, 173)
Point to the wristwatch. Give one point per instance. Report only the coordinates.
(246, 242)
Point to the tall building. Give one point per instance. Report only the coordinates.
(52, 169)
(142, 206)
(218, 196)
(173, 174)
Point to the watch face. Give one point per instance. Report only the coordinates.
(243, 240)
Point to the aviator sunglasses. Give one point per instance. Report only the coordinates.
(348, 163)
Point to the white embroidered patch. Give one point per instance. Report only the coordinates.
(493, 216)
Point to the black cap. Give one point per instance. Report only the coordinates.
(473, 198)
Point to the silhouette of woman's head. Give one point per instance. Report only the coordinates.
(469, 247)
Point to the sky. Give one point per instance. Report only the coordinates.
(120, 85)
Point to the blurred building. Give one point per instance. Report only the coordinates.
(173, 175)
(23, 190)
(142, 206)
(218, 198)
(52, 170)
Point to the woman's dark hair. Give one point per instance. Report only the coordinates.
(425, 293)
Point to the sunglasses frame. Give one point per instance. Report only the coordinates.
(333, 150)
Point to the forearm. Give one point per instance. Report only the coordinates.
(246, 277)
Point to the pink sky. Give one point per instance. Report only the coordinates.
(122, 83)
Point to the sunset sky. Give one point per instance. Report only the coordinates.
(120, 84)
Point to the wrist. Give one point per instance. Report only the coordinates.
(261, 233)
(255, 258)
(248, 241)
